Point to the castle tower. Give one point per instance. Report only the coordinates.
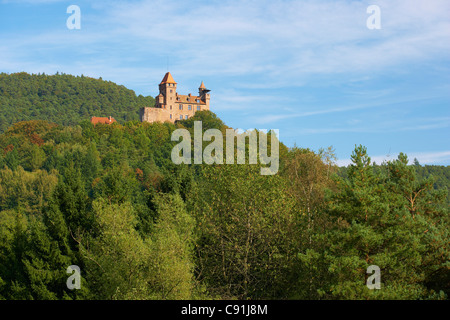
(203, 93)
(167, 93)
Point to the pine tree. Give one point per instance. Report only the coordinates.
(375, 224)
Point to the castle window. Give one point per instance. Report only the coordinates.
(181, 117)
(198, 100)
(189, 107)
(198, 108)
(187, 117)
(170, 107)
(170, 116)
(180, 107)
(171, 92)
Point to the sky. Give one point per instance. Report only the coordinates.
(314, 70)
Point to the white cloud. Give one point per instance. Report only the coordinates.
(277, 44)
(280, 42)
(430, 157)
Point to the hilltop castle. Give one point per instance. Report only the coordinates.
(170, 106)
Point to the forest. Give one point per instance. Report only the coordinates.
(108, 199)
(65, 99)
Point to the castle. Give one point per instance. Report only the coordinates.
(170, 106)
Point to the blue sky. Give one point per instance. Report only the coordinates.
(311, 69)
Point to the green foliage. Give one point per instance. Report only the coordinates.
(65, 99)
(108, 199)
(385, 218)
(123, 265)
(209, 121)
(172, 250)
(246, 226)
(117, 259)
(309, 178)
(26, 191)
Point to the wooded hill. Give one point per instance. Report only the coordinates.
(108, 198)
(65, 99)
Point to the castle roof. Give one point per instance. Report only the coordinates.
(104, 120)
(168, 79)
(202, 86)
(189, 99)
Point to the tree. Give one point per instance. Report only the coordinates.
(71, 198)
(91, 166)
(36, 158)
(12, 159)
(246, 228)
(118, 258)
(123, 265)
(13, 240)
(374, 225)
(308, 175)
(209, 121)
(172, 250)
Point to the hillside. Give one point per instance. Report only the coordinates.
(65, 99)
(108, 199)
